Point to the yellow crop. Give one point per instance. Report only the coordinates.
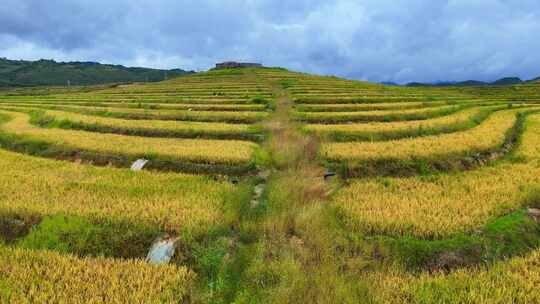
(154, 105)
(316, 116)
(47, 187)
(166, 114)
(48, 277)
(513, 281)
(396, 126)
(359, 107)
(446, 204)
(229, 152)
(208, 127)
(488, 135)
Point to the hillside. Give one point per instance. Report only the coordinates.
(50, 72)
(261, 185)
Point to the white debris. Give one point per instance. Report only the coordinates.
(138, 164)
(257, 193)
(162, 250)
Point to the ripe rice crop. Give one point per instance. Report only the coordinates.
(227, 152)
(140, 105)
(365, 116)
(489, 135)
(400, 129)
(127, 113)
(509, 281)
(155, 128)
(381, 106)
(443, 205)
(361, 107)
(122, 99)
(48, 277)
(173, 202)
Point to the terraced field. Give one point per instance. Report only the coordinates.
(271, 186)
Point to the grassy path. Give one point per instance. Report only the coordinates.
(286, 246)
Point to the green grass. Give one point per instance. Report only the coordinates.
(79, 236)
(508, 236)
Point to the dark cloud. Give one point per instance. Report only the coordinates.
(384, 40)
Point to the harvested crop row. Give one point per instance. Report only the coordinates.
(220, 152)
(376, 131)
(146, 128)
(440, 206)
(144, 114)
(489, 135)
(48, 277)
(366, 116)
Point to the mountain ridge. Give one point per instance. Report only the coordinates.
(46, 72)
(499, 82)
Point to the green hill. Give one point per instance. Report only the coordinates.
(50, 72)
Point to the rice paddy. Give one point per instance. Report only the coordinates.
(275, 186)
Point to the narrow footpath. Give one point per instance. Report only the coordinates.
(292, 254)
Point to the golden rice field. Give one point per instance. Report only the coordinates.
(513, 281)
(487, 136)
(189, 150)
(35, 186)
(376, 115)
(435, 198)
(139, 105)
(375, 130)
(204, 116)
(27, 277)
(163, 127)
(444, 205)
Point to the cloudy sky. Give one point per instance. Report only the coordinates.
(376, 40)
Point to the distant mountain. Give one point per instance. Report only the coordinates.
(418, 84)
(50, 72)
(468, 83)
(389, 83)
(507, 81)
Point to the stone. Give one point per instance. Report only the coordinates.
(17, 222)
(139, 164)
(257, 193)
(534, 213)
(162, 250)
